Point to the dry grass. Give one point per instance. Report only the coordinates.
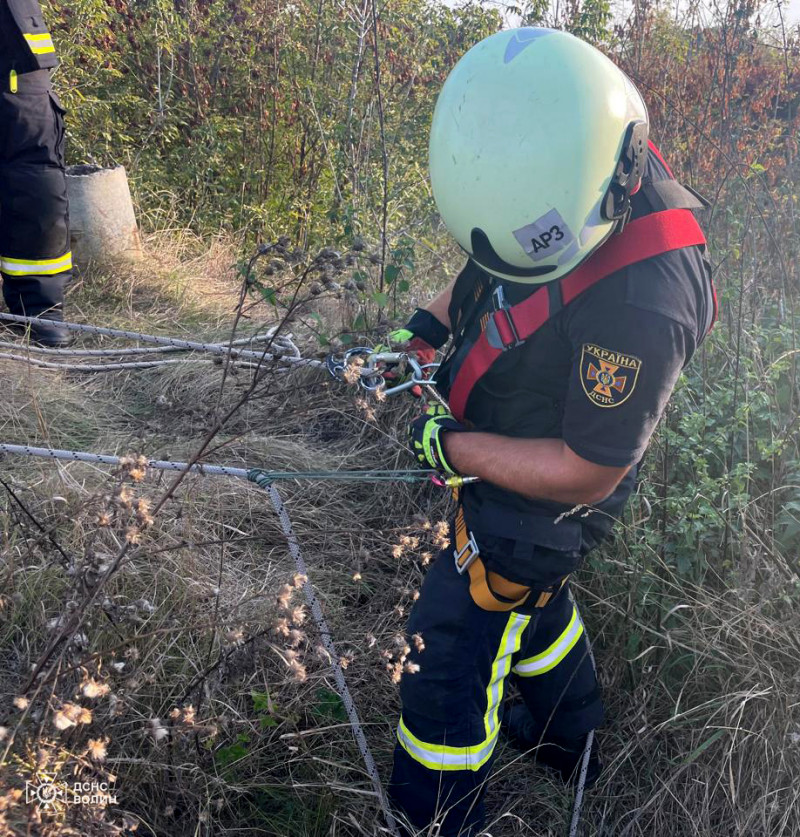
(212, 722)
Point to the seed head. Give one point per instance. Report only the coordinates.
(96, 749)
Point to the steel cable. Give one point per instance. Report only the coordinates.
(210, 348)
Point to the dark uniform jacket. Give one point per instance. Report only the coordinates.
(25, 43)
(642, 325)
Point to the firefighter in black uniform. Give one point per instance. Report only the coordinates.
(586, 293)
(35, 258)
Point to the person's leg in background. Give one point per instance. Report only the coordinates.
(554, 672)
(35, 258)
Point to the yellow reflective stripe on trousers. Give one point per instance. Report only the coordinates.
(444, 757)
(35, 267)
(39, 44)
(552, 656)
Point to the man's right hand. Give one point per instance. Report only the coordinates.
(420, 337)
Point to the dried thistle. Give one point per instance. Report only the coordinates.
(441, 534)
(143, 516)
(296, 638)
(352, 373)
(282, 627)
(298, 615)
(419, 643)
(366, 408)
(157, 730)
(133, 535)
(123, 497)
(91, 688)
(70, 715)
(298, 671)
(284, 596)
(96, 749)
(134, 466)
(235, 636)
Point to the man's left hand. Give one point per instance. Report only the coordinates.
(426, 435)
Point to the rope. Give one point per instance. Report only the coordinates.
(400, 475)
(283, 342)
(328, 644)
(581, 786)
(210, 348)
(104, 459)
(115, 367)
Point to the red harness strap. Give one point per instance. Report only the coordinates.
(649, 236)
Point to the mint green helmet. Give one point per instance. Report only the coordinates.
(537, 142)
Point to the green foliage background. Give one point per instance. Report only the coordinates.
(259, 115)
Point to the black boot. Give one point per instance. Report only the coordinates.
(563, 755)
(51, 335)
(41, 297)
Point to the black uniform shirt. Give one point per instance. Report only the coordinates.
(6, 43)
(597, 375)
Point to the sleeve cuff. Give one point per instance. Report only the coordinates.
(602, 455)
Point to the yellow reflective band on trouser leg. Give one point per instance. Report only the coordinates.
(36, 267)
(39, 44)
(555, 653)
(474, 757)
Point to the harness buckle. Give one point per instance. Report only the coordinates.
(501, 332)
(458, 554)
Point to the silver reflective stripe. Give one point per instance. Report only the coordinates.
(441, 757)
(554, 654)
(512, 639)
(445, 757)
(39, 44)
(35, 267)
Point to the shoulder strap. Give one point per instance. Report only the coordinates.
(644, 238)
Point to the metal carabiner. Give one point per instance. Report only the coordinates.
(337, 364)
(372, 379)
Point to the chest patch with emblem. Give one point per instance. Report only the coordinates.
(608, 378)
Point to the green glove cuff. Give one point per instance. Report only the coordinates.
(400, 335)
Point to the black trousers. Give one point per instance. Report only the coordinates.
(452, 706)
(35, 258)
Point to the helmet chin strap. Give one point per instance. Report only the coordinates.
(627, 175)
